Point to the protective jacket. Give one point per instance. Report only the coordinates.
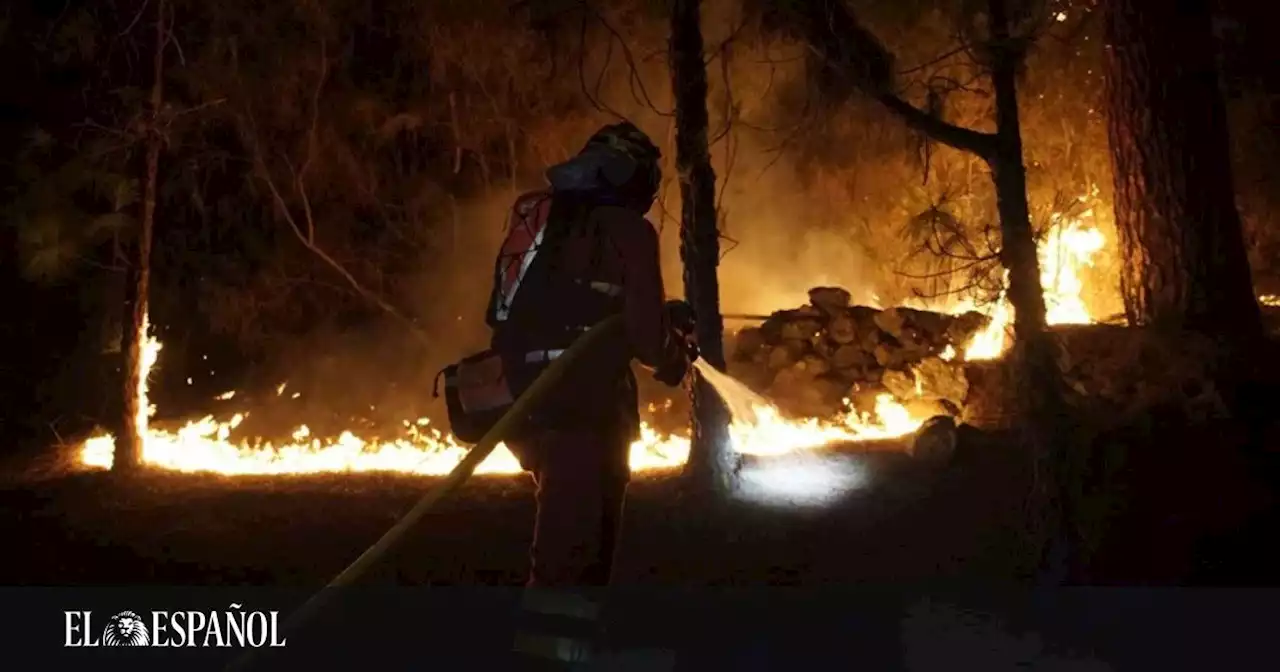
(569, 261)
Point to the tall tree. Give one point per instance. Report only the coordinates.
(136, 256)
(699, 238)
(1185, 263)
(853, 59)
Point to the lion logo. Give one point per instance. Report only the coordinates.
(126, 629)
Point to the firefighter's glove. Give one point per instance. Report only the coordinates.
(683, 349)
(691, 348)
(681, 318)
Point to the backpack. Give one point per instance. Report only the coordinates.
(480, 388)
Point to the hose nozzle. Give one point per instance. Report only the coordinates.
(683, 321)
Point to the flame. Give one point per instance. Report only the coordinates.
(206, 445)
(758, 428)
(150, 355)
(1070, 245)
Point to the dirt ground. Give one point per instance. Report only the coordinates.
(903, 522)
(905, 525)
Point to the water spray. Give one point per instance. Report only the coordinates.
(803, 478)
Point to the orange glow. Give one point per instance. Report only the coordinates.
(207, 444)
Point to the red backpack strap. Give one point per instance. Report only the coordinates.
(526, 226)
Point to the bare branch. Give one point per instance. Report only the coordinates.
(723, 47)
(457, 132)
(936, 60)
(637, 84)
(834, 34)
(136, 17)
(582, 71)
(312, 128)
(172, 38)
(957, 137)
(307, 236)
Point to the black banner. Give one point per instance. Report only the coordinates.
(457, 628)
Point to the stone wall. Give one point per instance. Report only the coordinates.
(810, 359)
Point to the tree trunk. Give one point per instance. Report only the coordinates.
(831, 27)
(1043, 418)
(133, 418)
(699, 238)
(1185, 264)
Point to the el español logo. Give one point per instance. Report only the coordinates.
(233, 628)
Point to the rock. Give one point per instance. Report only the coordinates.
(890, 355)
(927, 408)
(868, 339)
(911, 336)
(942, 380)
(932, 326)
(864, 374)
(842, 329)
(748, 342)
(900, 383)
(850, 356)
(807, 311)
(830, 300)
(824, 348)
(935, 441)
(859, 374)
(913, 347)
(862, 397)
(964, 326)
(781, 357)
(800, 330)
(890, 321)
(825, 397)
(771, 328)
(863, 315)
(791, 380)
(796, 390)
(814, 365)
(754, 376)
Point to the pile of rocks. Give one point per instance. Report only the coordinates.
(810, 359)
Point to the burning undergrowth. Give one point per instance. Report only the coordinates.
(228, 444)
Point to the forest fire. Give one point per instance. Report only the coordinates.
(207, 445)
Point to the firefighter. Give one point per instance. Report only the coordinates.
(576, 253)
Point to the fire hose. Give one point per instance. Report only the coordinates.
(517, 414)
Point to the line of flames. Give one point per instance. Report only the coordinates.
(206, 445)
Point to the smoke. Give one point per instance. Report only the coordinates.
(783, 239)
(782, 233)
(806, 198)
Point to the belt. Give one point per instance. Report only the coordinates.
(537, 356)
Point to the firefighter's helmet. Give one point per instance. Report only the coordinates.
(628, 140)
